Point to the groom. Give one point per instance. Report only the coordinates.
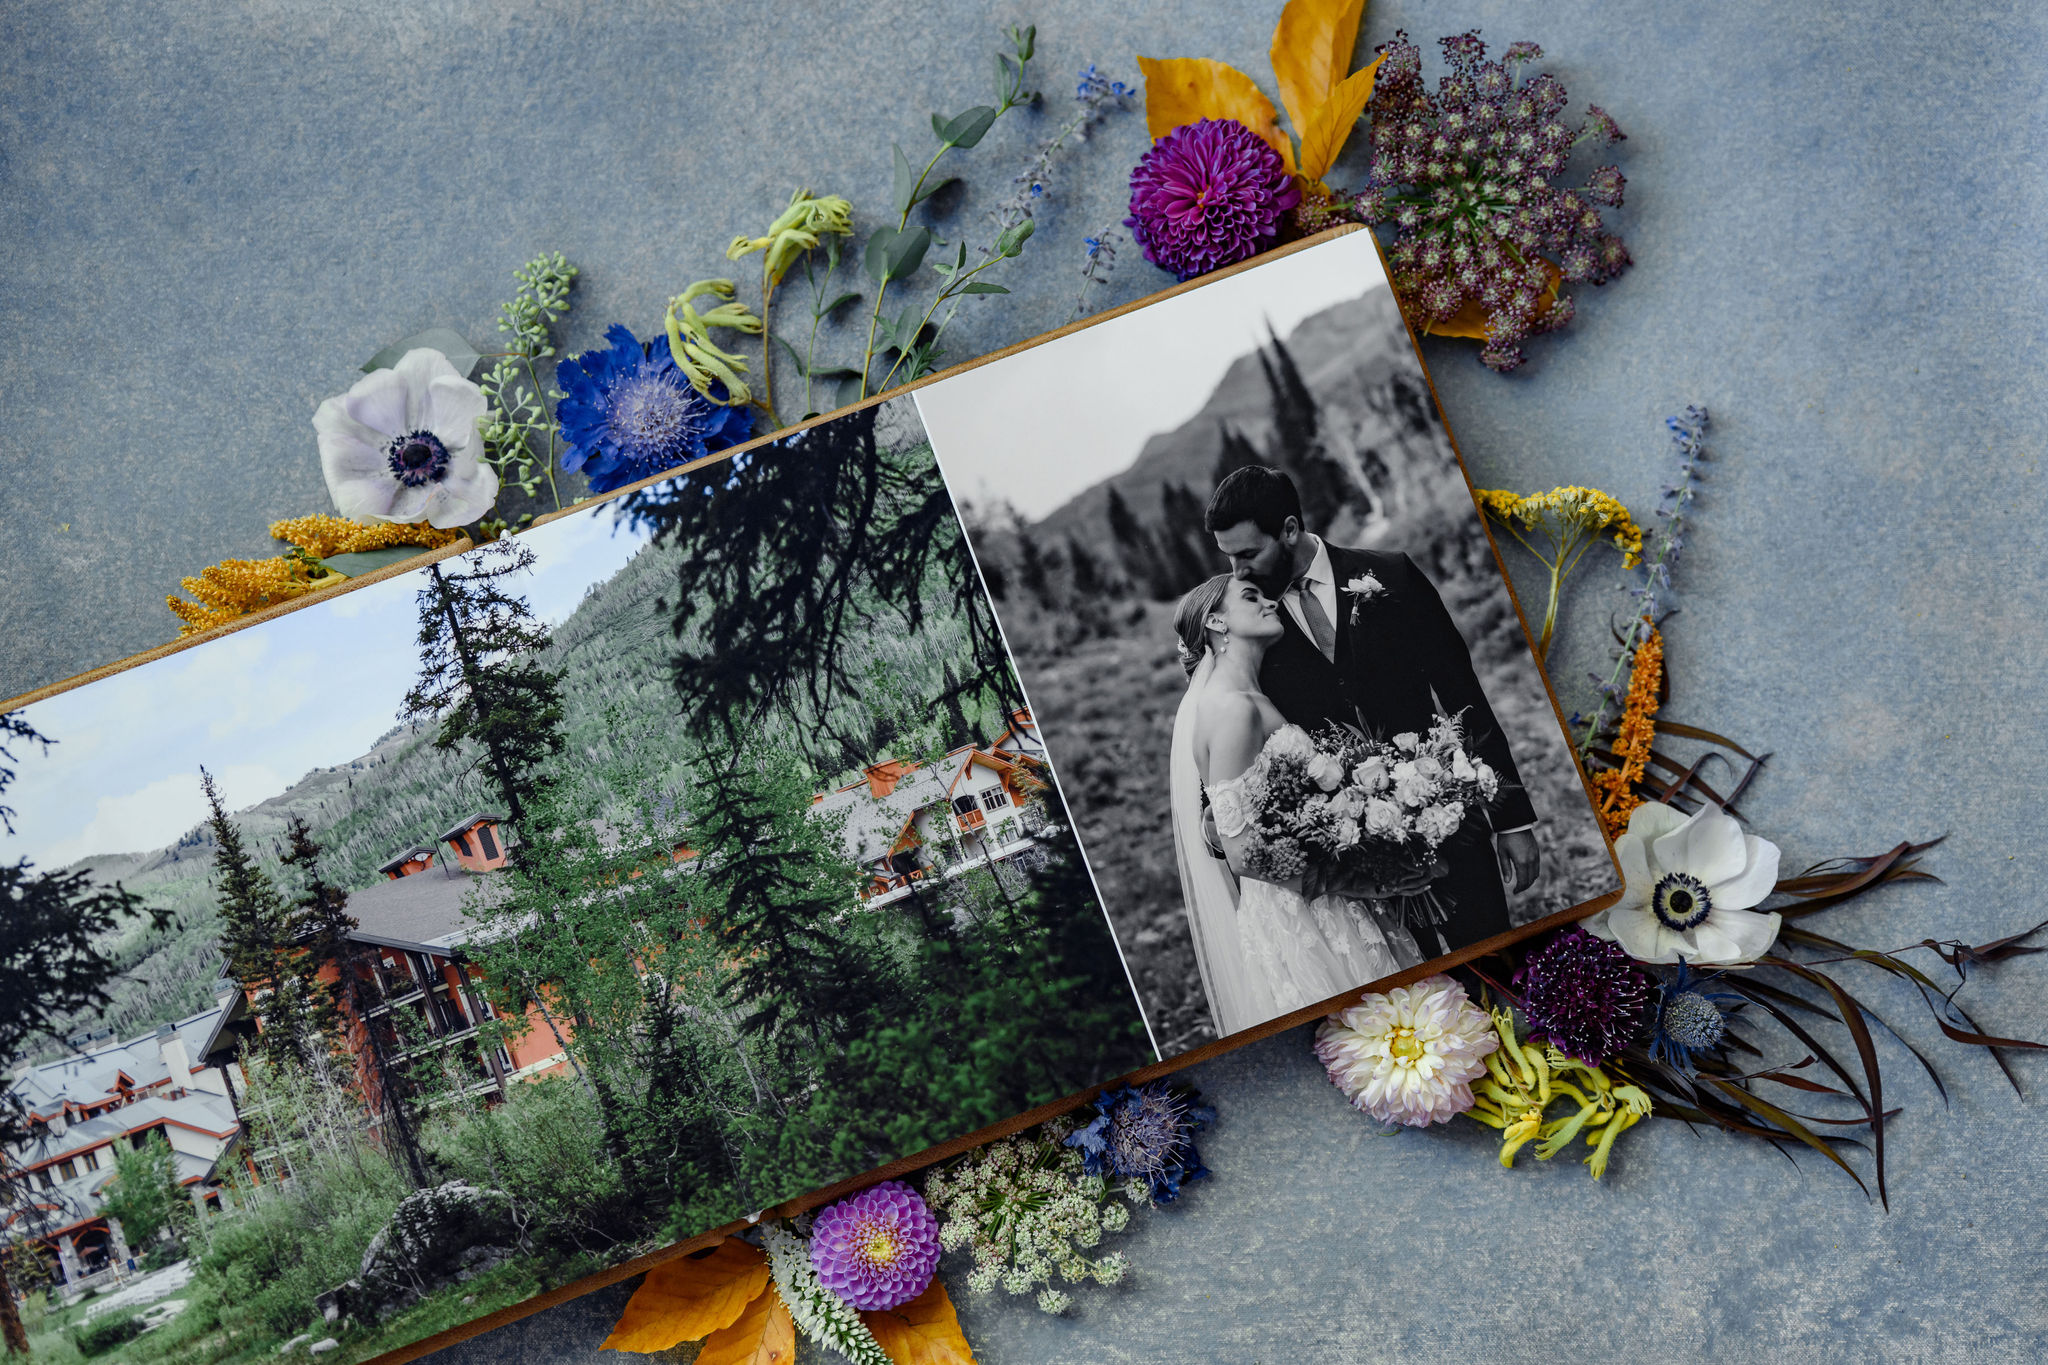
(1368, 642)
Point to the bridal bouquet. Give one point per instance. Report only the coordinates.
(1343, 807)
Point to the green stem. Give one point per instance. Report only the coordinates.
(540, 397)
(950, 291)
(867, 358)
(768, 348)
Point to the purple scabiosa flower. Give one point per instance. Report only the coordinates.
(628, 412)
(1146, 1133)
(1472, 178)
(878, 1248)
(1585, 995)
(1208, 194)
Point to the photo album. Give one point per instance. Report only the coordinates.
(825, 807)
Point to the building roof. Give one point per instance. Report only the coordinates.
(91, 1077)
(873, 824)
(469, 822)
(420, 911)
(416, 851)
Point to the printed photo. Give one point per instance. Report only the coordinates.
(1273, 657)
(488, 926)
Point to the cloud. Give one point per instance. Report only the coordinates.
(157, 813)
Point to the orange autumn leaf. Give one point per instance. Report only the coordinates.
(1470, 320)
(925, 1331)
(762, 1335)
(1311, 53)
(1324, 132)
(690, 1297)
(1184, 90)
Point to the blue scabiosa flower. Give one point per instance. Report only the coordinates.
(1690, 1018)
(1146, 1133)
(630, 412)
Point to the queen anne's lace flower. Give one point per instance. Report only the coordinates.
(1409, 1055)
(402, 445)
(1690, 883)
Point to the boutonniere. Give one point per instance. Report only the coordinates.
(1363, 589)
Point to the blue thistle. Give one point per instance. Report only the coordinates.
(1690, 1019)
(1146, 1133)
(628, 412)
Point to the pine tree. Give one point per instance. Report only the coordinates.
(258, 937)
(1192, 550)
(786, 565)
(480, 676)
(1236, 453)
(1298, 443)
(56, 930)
(1139, 549)
(1031, 566)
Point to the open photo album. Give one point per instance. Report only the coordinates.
(822, 808)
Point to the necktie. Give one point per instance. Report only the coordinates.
(1319, 628)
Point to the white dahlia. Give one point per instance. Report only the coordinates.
(1409, 1055)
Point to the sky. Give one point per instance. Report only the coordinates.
(259, 708)
(1040, 426)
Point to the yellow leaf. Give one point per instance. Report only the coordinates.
(1312, 46)
(1324, 131)
(1183, 90)
(763, 1335)
(925, 1331)
(1470, 320)
(690, 1297)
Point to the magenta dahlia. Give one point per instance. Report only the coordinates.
(878, 1248)
(1208, 194)
(1586, 996)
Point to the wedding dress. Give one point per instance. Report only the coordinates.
(1263, 949)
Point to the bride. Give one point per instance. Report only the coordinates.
(1264, 949)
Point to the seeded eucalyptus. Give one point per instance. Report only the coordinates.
(521, 436)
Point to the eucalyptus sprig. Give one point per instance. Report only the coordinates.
(895, 253)
(520, 431)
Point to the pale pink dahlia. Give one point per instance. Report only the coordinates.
(878, 1248)
(1409, 1055)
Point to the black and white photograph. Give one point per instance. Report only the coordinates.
(1274, 659)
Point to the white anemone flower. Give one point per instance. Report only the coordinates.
(402, 445)
(1691, 883)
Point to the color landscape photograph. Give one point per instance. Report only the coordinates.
(457, 936)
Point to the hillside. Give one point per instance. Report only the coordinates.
(613, 652)
(1346, 353)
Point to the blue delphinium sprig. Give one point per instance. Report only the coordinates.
(1650, 585)
(1145, 1134)
(1098, 97)
(1097, 264)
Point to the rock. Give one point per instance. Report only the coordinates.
(295, 1343)
(323, 1346)
(438, 1236)
(468, 1300)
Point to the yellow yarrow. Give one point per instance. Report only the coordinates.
(235, 587)
(1558, 528)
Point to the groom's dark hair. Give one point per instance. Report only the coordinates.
(1255, 493)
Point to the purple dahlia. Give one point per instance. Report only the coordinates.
(878, 1248)
(1583, 994)
(1208, 194)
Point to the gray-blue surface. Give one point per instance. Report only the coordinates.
(214, 213)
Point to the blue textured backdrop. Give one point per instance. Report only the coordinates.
(213, 214)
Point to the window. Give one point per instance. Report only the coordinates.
(994, 798)
(90, 1160)
(461, 842)
(66, 1169)
(490, 845)
(964, 804)
(45, 1178)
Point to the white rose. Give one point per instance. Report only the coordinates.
(1350, 803)
(1407, 742)
(1413, 792)
(1438, 823)
(1371, 775)
(1489, 780)
(1461, 767)
(1326, 772)
(1347, 833)
(1429, 767)
(1383, 819)
(1291, 741)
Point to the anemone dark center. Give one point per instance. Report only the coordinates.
(652, 418)
(417, 458)
(1680, 901)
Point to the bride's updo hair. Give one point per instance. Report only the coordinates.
(1191, 616)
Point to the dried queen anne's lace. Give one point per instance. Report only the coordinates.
(1469, 176)
(1027, 1212)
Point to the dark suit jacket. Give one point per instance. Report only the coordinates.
(1404, 644)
